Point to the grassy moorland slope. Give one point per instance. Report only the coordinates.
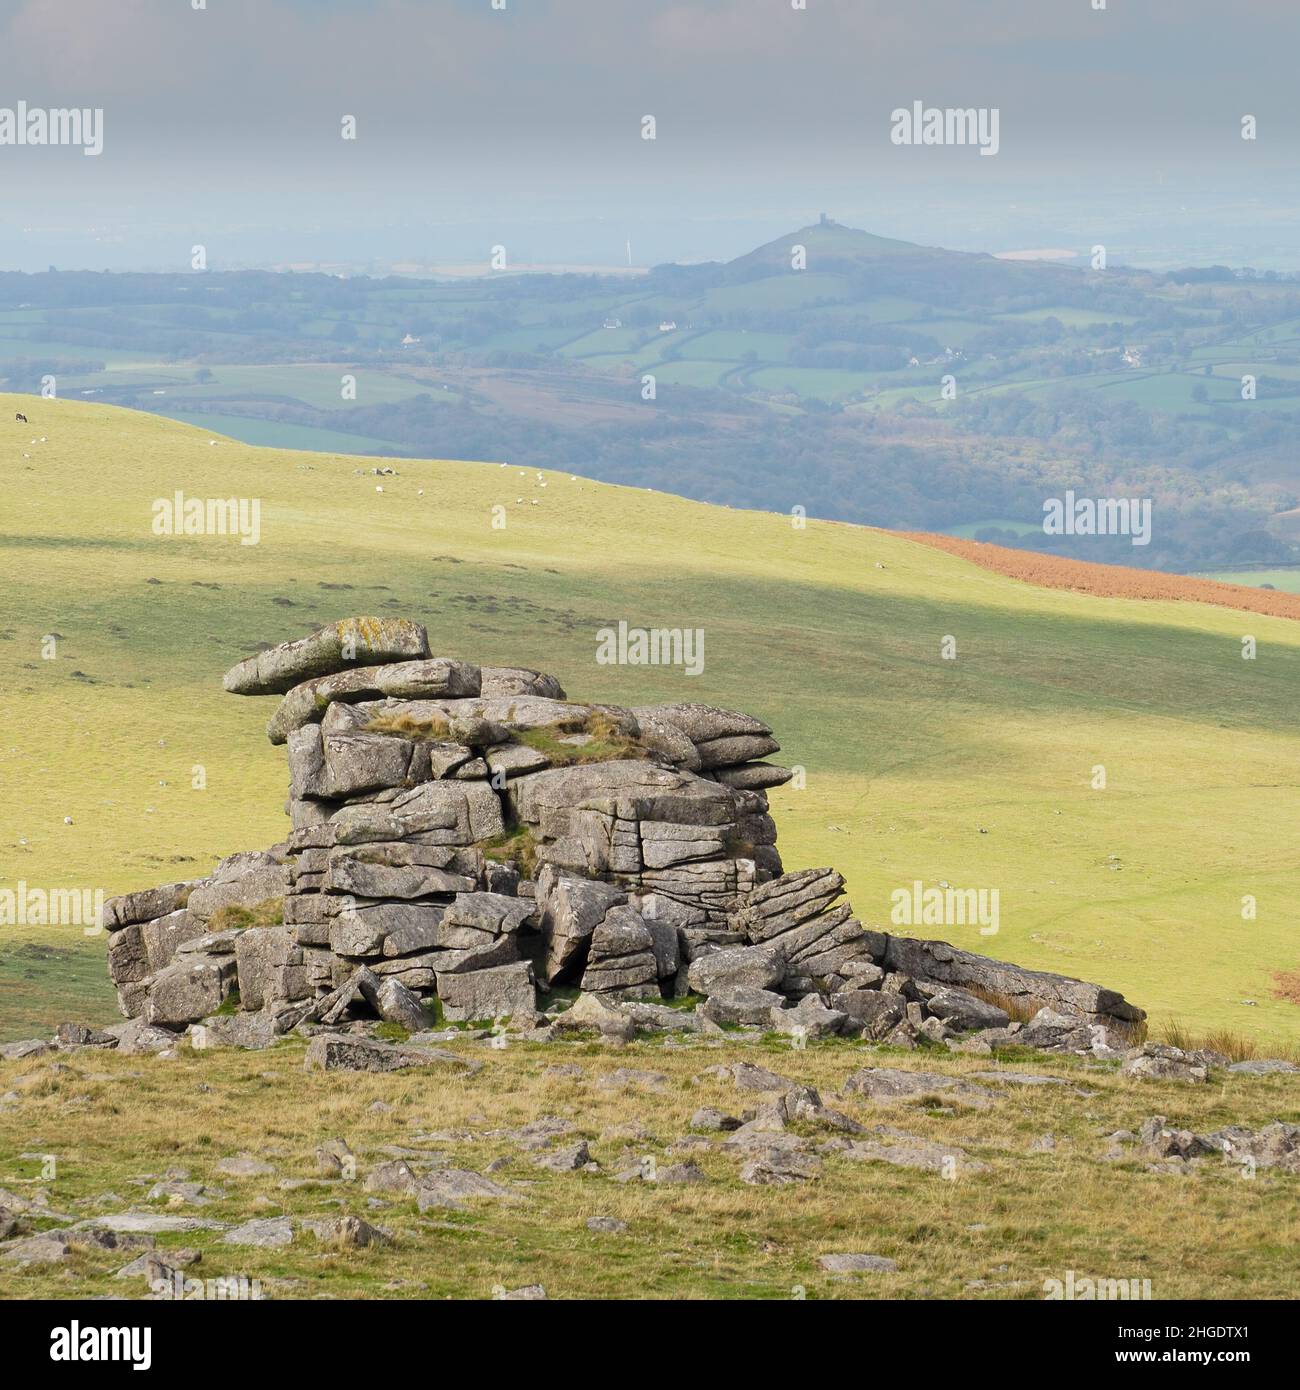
(975, 771)
(1029, 1213)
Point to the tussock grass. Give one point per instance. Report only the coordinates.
(1017, 1007)
(430, 730)
(517, 847)
(607, 742)
(234, 917)
(1237, 1047)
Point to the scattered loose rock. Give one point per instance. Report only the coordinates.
(857, 1264)
(265, 1234)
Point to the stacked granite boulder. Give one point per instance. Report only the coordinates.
(470, 833)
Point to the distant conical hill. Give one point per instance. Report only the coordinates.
(829, 241)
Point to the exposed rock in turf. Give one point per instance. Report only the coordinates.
(887, 1084)
(857, 1264)
(1158, 1062)
(454, 1187)
(779, 1166)
(332, 1052)
(1263, 1066)
(246, 1030)
(269, 1233)
(748, 1077)
(349, 1231)
(70, 1036)
(907, 1151)
(614, 1023)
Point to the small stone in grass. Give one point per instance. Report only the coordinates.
(857, 1264)
(606, 1225)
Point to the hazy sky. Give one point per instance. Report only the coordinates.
(523, 124)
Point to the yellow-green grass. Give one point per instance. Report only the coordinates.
(114, 1124)
(975, 771)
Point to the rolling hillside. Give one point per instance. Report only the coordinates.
(975, 771)
(900, 385)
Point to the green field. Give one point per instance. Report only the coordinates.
(280, 434)
(735, 346)
(1288, 580)
(1070, 317)
(314, 385)
(791, 291)
(975, 771)
(824, 383)
(693, 373)
(1021, 528)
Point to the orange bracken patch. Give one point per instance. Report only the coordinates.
(1109, 581)
(1286, 985)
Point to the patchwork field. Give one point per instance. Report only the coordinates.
(976, 771)
(891, 384)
